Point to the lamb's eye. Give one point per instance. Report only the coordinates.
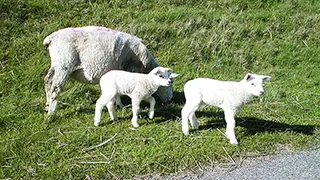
(161, 76)
(252, 84)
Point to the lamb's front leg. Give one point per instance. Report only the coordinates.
(152, 102)
(231, 124)
(135, 110)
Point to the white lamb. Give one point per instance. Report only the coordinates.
(137, 86)
(86, 53)
(228, 95)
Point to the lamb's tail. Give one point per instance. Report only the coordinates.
(48, 39)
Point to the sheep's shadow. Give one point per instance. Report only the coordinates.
(253, 125)
(178, 97)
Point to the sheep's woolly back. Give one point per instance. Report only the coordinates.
(92, 51)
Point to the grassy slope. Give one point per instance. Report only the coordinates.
(220, 39)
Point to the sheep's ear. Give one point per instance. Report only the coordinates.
(268, 78)
(173, 75)
(155, 71)
(248, 77)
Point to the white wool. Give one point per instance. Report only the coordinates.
(228, 95)
(86, 53)
(135, 85)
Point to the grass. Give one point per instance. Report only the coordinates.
(218, 39)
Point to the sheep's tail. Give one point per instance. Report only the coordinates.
(48, 39)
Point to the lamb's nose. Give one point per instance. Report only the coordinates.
(261, 92)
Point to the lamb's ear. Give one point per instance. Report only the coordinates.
(248, 77)
(155, 71)
(173, 75)
(268, 78)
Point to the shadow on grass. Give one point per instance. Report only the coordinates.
(253, 125)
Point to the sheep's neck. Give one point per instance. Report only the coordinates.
(151, 87)
(244, 95)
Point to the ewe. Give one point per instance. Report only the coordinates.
(137, 86)
(86, 53)
(230, 96)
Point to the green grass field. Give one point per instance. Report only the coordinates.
(223, 39)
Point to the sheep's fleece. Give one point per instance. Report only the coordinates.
(86, 53)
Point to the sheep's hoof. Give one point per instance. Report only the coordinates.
(96, 124)
(50, 117)
(46, 108)
(135, 125)
(234, 142)
(186, 133)
(151, 115)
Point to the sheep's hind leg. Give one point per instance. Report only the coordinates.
(152, 102)
(135, 110)
(118, 101)
(193, 120)
(110, 106)
(186, 114)
(101, 102)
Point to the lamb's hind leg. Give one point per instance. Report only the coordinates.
(187, 113)
(104, 100)
(54, 82)
(193, 120)
(118, 101)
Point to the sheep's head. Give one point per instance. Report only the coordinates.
(167, 77)
(254, 83)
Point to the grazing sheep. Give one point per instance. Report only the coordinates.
(230, 96)
(137, 86)
(86, 53)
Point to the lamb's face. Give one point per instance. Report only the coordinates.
(163, 76)
(165, 92)
(254, 84)
(160, 80)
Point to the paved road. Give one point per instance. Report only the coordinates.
(303, 165)
(300, 166)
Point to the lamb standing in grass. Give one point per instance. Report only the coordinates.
(137, 86)
(86, 53)
(230, 96)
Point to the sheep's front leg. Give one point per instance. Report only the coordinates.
(135, 110)
(48, 85)
(231, 124)
(152, 102)
(54, 82)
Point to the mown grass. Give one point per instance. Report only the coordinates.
(218, 39)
